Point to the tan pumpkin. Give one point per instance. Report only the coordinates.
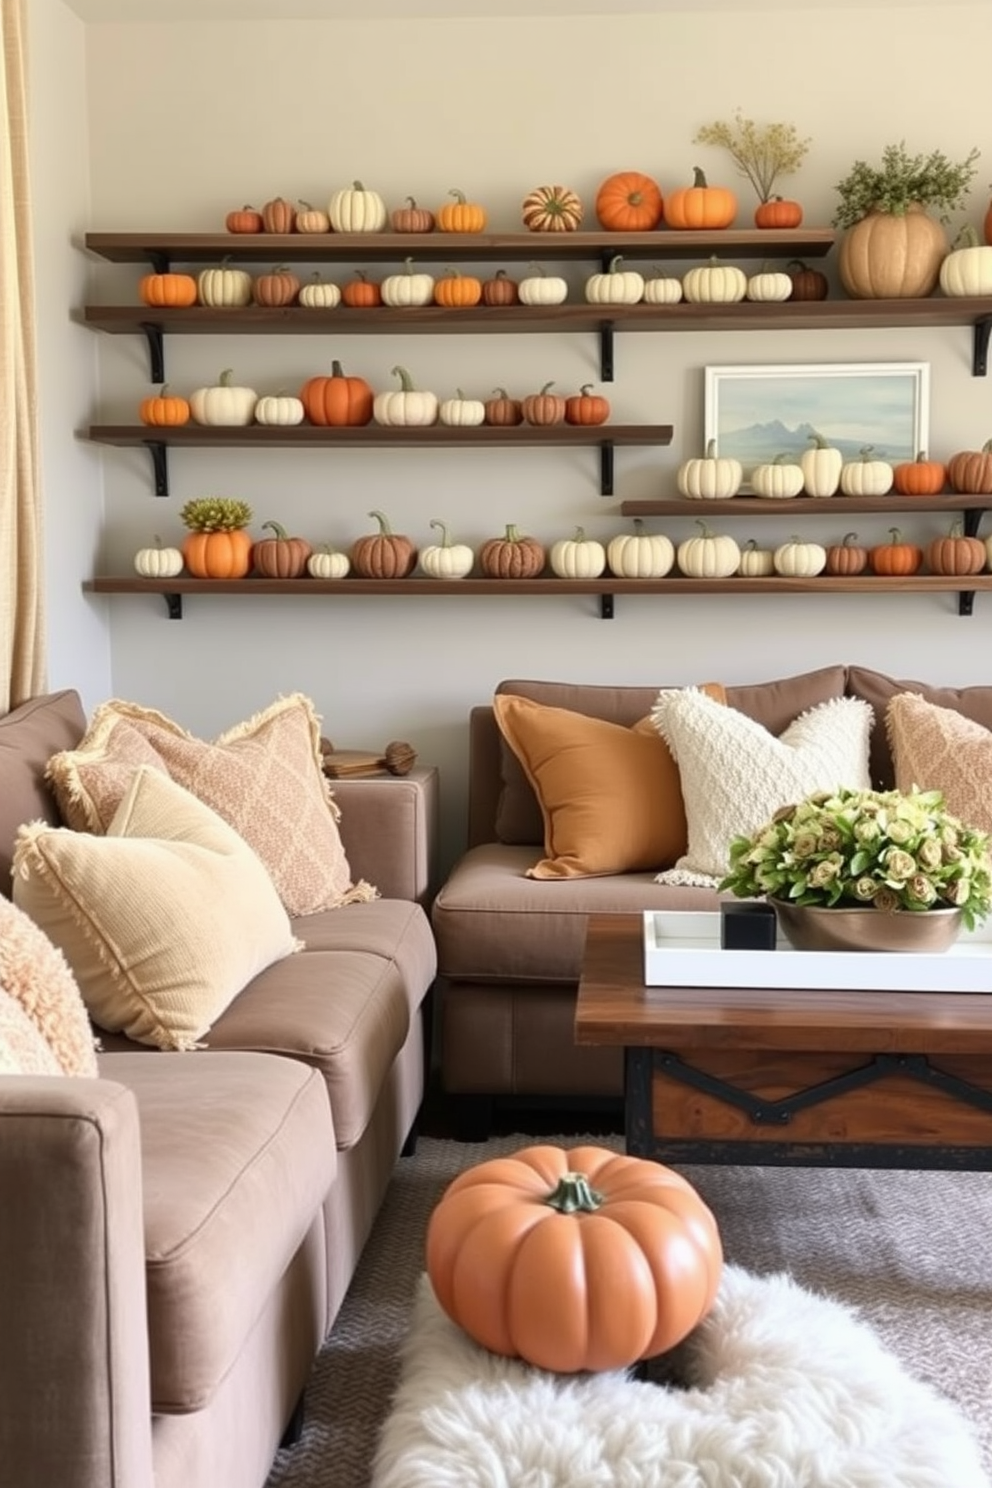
(512, 556)
(411, 218)
(887, 257)
(955, 553)
(384, 554)
(846, 558)
(544, 407)
(279, 287)
(970, 471)
(311, 219)
(503, 410)
(280, 556)
(500, 290)
(279, 216)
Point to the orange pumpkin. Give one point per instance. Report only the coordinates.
(245, 220)
(337, 401)
(499, 290)
(629, 201)
(164, 409)
(970, 471)
(218, 555)
(846, 557)
(586, 407)
(896, 559)
(574, 1259)
(956, 553)
(279, 287)
(411, 218)
(167, 289)
(544, 407)
(807, 283)
(361, 292)
(385, 554)
(282, 556)
(502, 409)
(701, 205)
(778, 212)
(461, 216)
(987, 224)
(919, 477)
(279, 216)
(457, 291)
(512, 556)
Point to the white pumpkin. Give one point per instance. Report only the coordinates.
(662, 289)
(821, 467)
(711, 555)
(618, 286)
(714, 283)
(778, 479)
(320, 294)
(279, 408)
(408, 288)
(354, 209)
(710, 478)
(756, 563)
(446, 560)
(540, 288)
(769, 286)
(224, 404)
(577, 557)
(224, 287)
(799, 559)
(326, 562)
(967, 269)
(158, 562)
(461, 411)
(410, 406)
(640, 554)
(866, 476)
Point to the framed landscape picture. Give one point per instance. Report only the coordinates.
(754, 414)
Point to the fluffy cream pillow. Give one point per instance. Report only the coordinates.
(939, 749)
(264, 777)
(163, 920)
(735, 774)
(23, 1051)
(35, 976)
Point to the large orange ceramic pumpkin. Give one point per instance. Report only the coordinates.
(629, 201)
(574, 1259)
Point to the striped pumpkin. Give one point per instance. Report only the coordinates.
(552, 209)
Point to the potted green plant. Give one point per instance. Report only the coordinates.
(893, 245)
(761, 153)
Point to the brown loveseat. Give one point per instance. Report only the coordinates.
(510, 947)
(177, 1235)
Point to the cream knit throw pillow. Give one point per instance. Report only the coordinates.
(735, 774)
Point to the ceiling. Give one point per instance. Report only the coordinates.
(139, 11)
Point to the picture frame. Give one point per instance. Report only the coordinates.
(756, 413)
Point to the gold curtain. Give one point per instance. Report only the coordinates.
(22, 645)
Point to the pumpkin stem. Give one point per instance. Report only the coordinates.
(699, 177)
(280, 531)
(336, 369)
(615, 263)
(459, 196)
(442, 527)
(512, 532)
(383, 521)
(406, 381)
(818, 440)
(573, 1195)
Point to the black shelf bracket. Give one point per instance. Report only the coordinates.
(606, 607)
(980, 353)
(606, 468)
(174, 606)
(156, 352)
(160, 465)
(606, 352)
(972, 522)
(966, 602)
(160, 261)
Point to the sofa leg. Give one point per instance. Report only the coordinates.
(471, 1117)
(294, 1426)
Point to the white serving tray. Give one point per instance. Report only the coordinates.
(682, 949)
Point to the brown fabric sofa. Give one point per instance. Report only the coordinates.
(510, 947)
(177, 1236)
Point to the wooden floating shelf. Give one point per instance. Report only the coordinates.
(827, 506)
(271, 436)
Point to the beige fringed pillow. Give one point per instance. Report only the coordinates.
(264, 777)
(939, 749)
(163, 920)
(36, 978)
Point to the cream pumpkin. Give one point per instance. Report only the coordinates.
(710, 477)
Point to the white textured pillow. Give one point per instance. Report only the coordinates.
(735, 774)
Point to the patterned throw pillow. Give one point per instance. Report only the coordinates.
(735, 774)
(264, 777)
(36, 978)
(939, 749)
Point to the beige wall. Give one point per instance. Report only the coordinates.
(185, 120)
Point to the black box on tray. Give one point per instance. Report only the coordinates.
(747, 926)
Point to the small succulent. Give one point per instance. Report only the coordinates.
(216, 514)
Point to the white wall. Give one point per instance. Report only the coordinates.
(186, 120)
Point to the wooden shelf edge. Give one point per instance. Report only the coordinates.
(417, 586)
(677, 506)
(202, 436)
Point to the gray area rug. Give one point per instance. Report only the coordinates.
(911, 1251)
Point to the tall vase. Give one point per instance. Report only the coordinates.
(887, 256)
(813, 927)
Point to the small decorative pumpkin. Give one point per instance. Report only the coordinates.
(551, 209)
(799, 558)
(355, 209)
(224, 287)
(640, 554)
(408, 288)
(756, 563)
(618, 286)
(244, 220)
(710, 478)
(337, 401)
(866, 476)
(311, 219)
(821, 467)
(711, 555)
(896, 559)
(970, 471)
(512, 556)
(326, 562)
(769, 287)
(461, 215)
(778, 480)
(224, 404)
(544, 407)
(578, 557)
(279, 287)
(542, 288)
(662, 289)
(499, 290)
(807, 283)
(527, 1224)
(846, 558)
(457, 291)
(165, 563)
(411, 218)
(385, 554)
(281, 556)
(503, 410)
(778, 212)
(167, 289)
(586, 407)
(320, 294)
(967, 269)
(361, 292)
(714, 283)
(919, 477)
(461, 412)
(700, 205)
(280, 409)
(629, 201)
(279, 216)
(164, 409)
(217, 546)
(447, 560)
(956, 553)
(410, 406)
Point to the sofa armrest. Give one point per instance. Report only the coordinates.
(389, 827)
(74, 1375)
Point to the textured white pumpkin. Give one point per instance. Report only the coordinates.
(446, 560)
(710, 477)
(354, 209)
(408, 288)
(224, 404)
(662, 289)
(778, 479)
(410, 406)
(756, 563)
(799, 559)
(866, 476)
(461, 411)
(711, 555)
(223, 287)
(769, 286)
(714, 283)
(821, 467)
(540, 288)
(320, 294)
(618, 286)
(577, 557)
(279, 408)
(158, 562)
(327, 563)
(640, 554)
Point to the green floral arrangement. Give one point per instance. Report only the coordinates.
(215, 514)
(761, 152)
(881, 849)
(903, 181)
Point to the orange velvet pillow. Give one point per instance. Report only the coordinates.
(610, 796)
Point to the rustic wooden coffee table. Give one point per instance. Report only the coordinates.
(737, 1075)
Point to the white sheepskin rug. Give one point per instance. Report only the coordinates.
(784, 1389)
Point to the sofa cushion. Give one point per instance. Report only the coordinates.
(29, 735)
(879, 689)
(263, 776)
(237, 1156)
(35, 975)
(163, 920)
(939, 749)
